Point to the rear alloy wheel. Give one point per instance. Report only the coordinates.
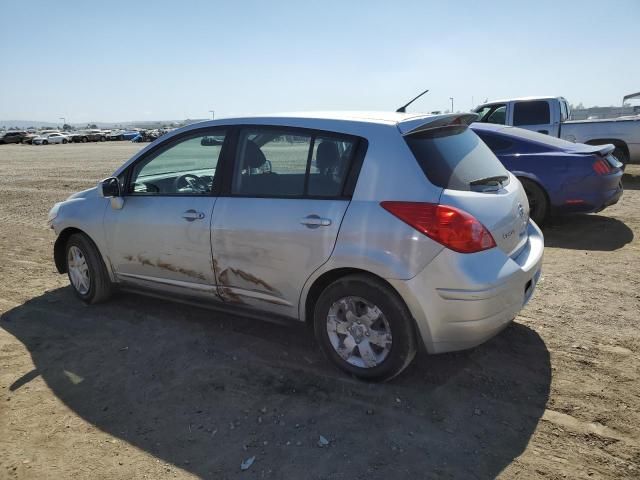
(538, 202)
(85, 139)
(364, 328)
(45, 142)
(86, 270)
(64, 140)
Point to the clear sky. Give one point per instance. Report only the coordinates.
(126, 60)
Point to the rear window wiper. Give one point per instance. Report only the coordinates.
(496, 181)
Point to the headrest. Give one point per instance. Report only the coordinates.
(327, 156)
(253, 156)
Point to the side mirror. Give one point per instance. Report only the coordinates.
(110, 188)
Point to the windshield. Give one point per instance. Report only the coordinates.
(454, 157)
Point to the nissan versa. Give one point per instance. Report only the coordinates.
(388, 232)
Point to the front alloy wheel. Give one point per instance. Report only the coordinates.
(86, 270)
(78, 270)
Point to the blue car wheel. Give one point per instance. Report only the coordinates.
(538, 202)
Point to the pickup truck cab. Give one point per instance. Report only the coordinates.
(552, 116)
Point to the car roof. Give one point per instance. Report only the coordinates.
(405, 122)
(524, 99)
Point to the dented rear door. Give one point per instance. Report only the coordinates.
(264, 251)
(279, 220)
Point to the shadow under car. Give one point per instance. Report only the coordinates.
(187, 384)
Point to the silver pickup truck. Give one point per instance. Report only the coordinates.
(551, 115)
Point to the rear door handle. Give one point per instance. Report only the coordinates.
(191, 215)
(315, 221)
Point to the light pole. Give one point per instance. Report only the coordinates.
(213, 114)
(451, 98)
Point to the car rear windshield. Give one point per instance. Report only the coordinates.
(453, 157)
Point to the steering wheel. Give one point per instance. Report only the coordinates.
(190, 180)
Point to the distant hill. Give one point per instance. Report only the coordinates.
(24, 124)
(21, 124)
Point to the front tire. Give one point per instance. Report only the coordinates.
(86, 270)
(364, 328)
(538, 202)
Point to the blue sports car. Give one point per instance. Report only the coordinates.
(558, 176)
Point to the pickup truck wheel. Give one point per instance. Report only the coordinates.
(364, 328)
(538, 202)
(622, 156)
(86, 270)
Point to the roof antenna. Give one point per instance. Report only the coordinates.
(403, 109)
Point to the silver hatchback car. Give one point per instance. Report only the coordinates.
(387, 232)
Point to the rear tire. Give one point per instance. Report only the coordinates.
(45, 142)
(85, 139)
(538, 201)
(86, 270)
(64, 141)
(364, 328)
(622, 156)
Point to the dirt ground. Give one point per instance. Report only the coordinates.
(143, 388)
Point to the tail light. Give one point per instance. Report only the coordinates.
(602, 167)
(453, 228)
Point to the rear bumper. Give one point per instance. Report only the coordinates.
(612, 197)
(593, 194)
(461, 300)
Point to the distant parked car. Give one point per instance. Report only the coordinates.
(12, 137)
(28, 138)
(123, 134)
(558, 176)
(92, 135)
(70, 136)
(47, 138)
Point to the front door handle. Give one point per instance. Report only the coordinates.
(191, 215)
(315, 221)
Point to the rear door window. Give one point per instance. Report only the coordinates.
(531, 113)
(280, 163)
(453, 157)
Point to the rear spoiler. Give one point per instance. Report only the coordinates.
(602, 150)
(416, 125)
